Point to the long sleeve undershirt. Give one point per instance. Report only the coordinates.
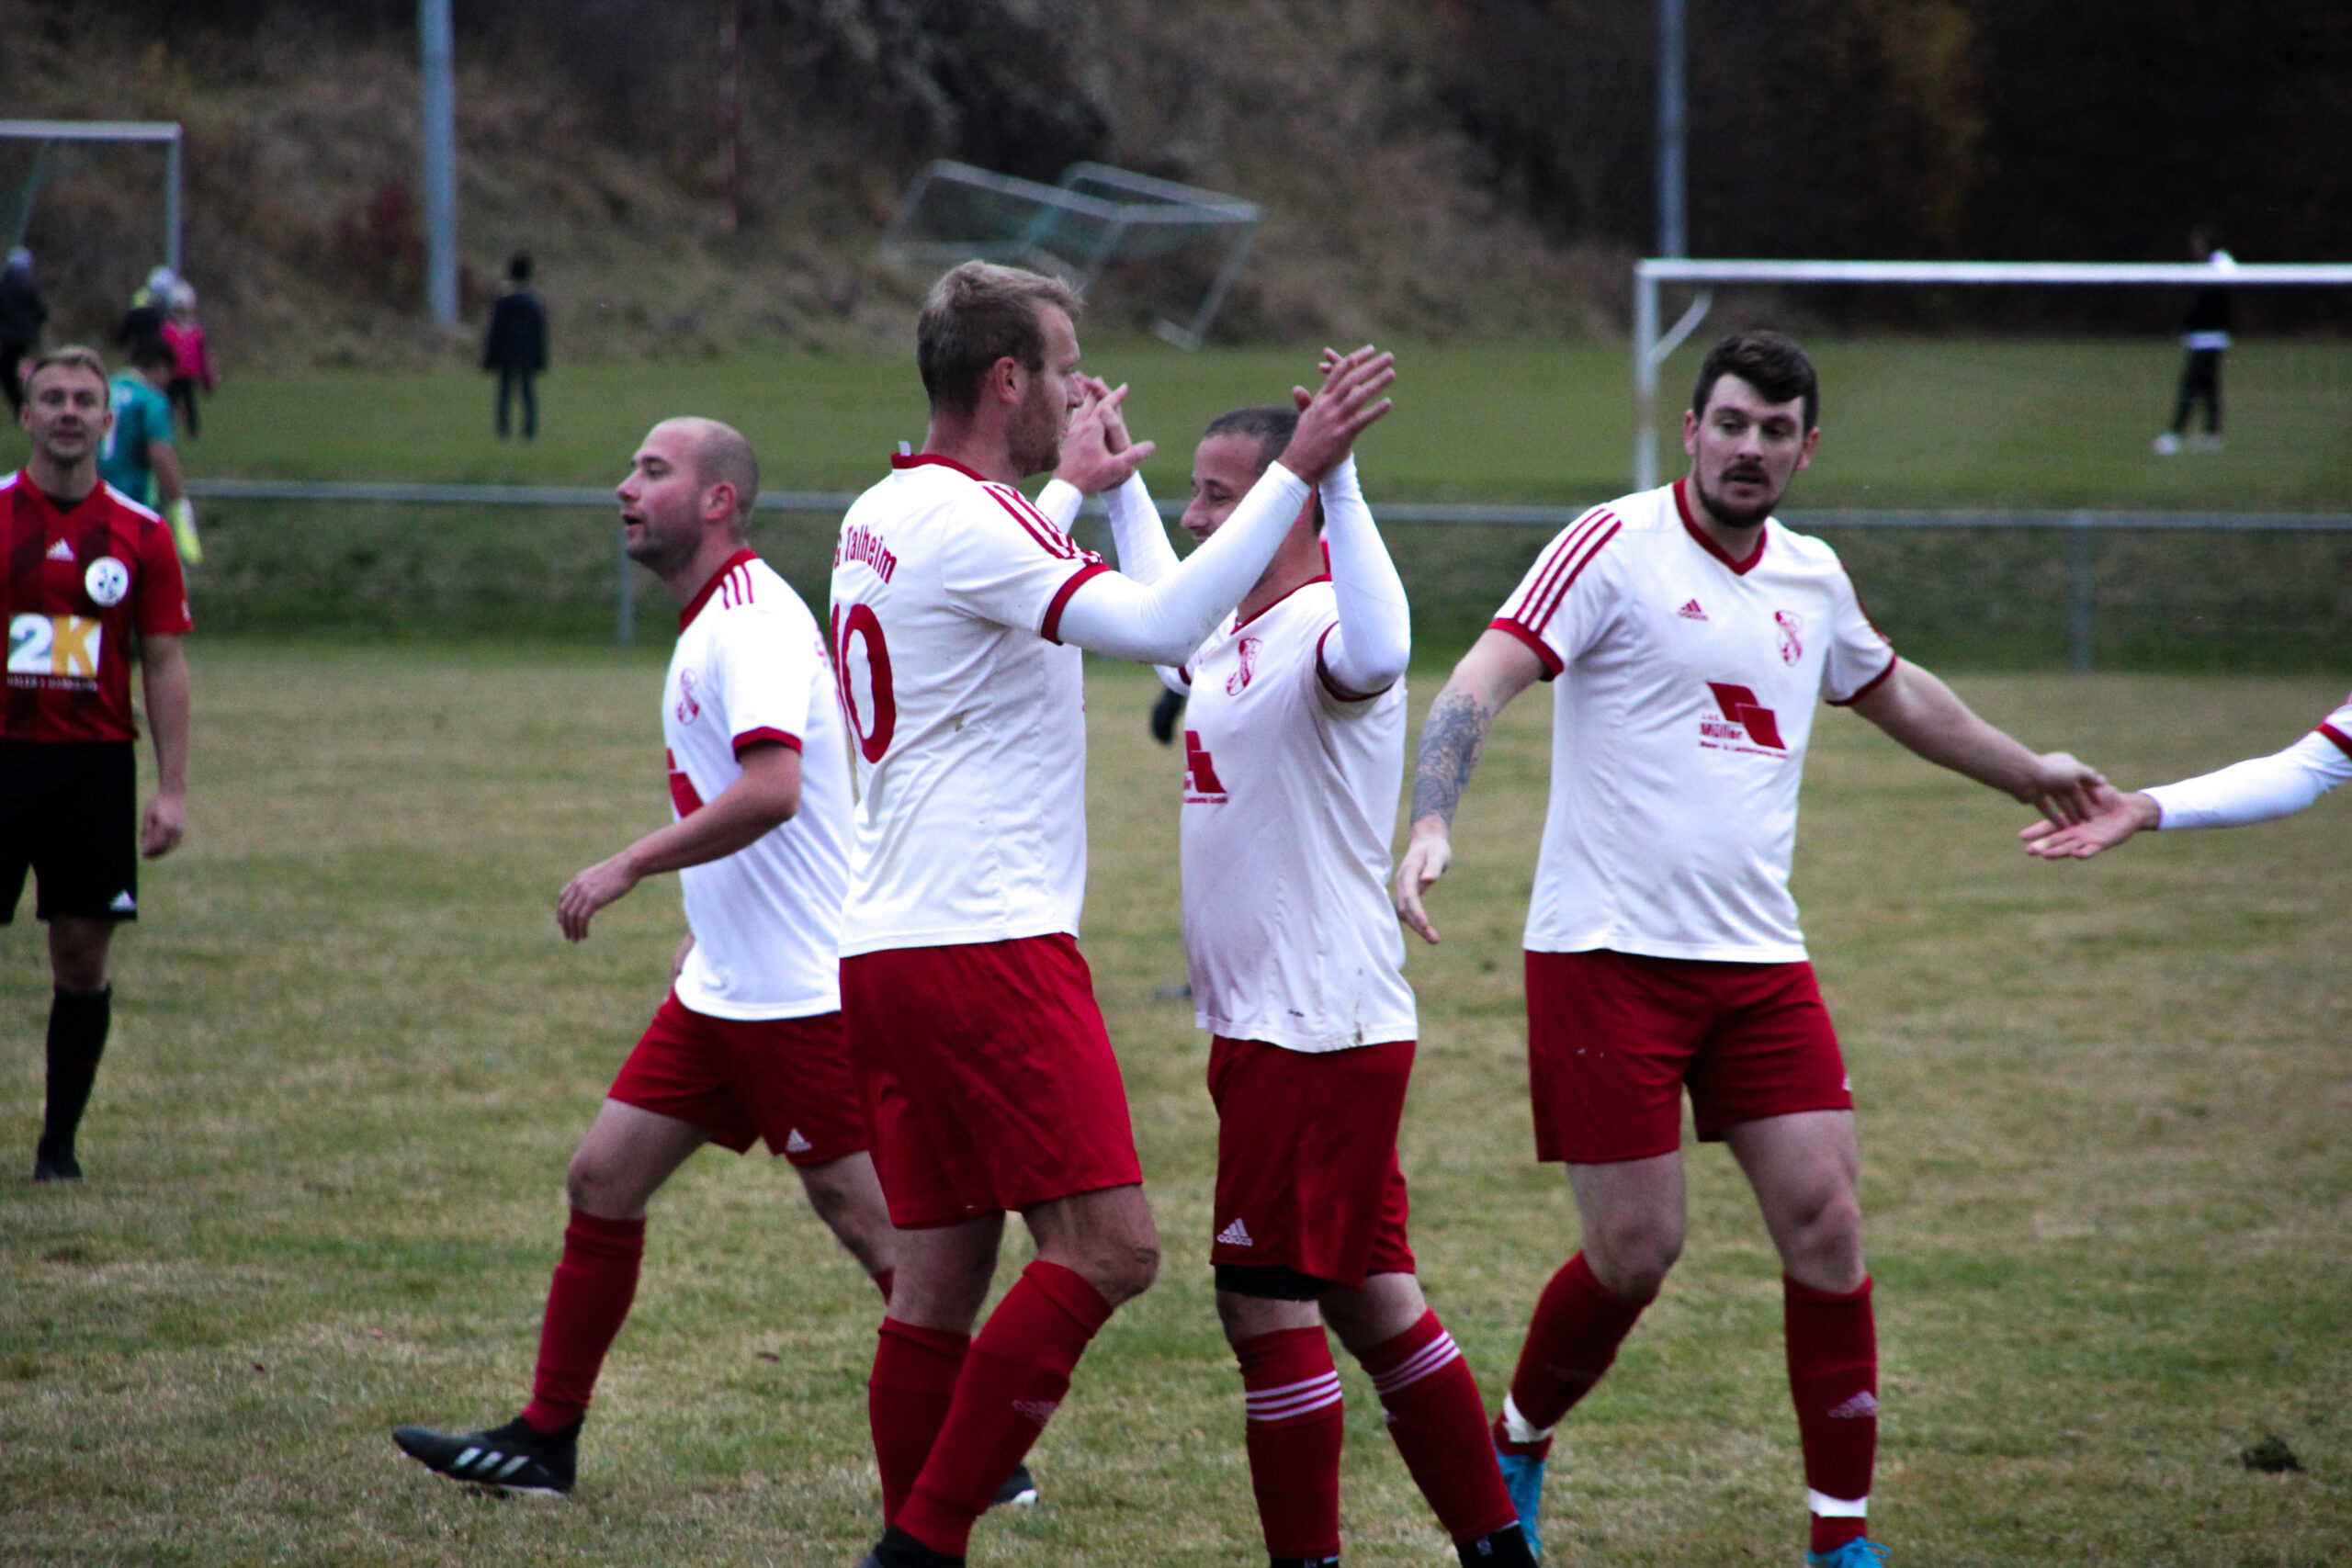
(1367, 652)
(2255, 791)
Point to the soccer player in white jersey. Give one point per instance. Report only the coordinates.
(2256, 790)
(1691, 636)
(958, 612)
(749, 1043)
(1295, 758)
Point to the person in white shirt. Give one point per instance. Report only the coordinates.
(749, 1044)
(958, 611)
(1691, 636)
(2258, 789)
(1295, 759)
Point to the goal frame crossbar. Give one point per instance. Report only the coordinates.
(45, 131)
(1652, 348)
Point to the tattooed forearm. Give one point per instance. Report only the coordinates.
(1452, 739)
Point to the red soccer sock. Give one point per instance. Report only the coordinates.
(1833, 1377)
(1571, 1340)
(1438, 1419)
(1013, 1382)
(907, 1400)
(587, 1303)
(1291, 1395)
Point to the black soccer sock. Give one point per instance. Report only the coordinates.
(77, 1038)
(1505, 1548)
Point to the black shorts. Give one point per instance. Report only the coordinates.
(69, 811)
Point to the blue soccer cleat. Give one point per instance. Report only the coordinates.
(1523, 1479)
(1860, 1552)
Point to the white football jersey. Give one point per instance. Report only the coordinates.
(968, 716)
(1686, 690)
(750, 666)
(1290, 800)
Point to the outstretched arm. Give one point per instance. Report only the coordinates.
(1496, 669)
(765, 795)
(2255, 791)
(1921, 713)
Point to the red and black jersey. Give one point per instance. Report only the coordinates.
(79, 583)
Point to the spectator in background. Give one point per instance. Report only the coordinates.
(22, 314)
(517, 346)
(138, 458)
(2205, 332)
(143, 322)
(183, 333)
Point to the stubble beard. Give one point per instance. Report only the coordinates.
(662, 550)
(1035, 446)
(1732, 516)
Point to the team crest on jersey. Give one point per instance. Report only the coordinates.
(1247, 652)
(1791, 629)
(688, 709)
(106, 582)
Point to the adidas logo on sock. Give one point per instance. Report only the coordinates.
(1691, 611)
(1862, 1405)
(1235, 1234)
(1038, 1410)
(794, 1143)
(62, 550)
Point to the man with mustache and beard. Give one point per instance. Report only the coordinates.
(1690, 636)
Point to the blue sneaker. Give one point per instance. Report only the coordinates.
(1523, 1479)
(1860, 1552)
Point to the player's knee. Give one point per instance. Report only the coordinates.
(593, 1184)
(1632, 1256)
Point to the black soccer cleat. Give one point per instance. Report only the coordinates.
(53, 1164)
(515, 1458)
(1019, 1491)
(896, 1548)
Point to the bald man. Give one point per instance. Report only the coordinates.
(747, 1046)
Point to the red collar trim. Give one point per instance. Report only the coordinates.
(899, 463)
(1310, 582)
(702, 596)
(1707, 543)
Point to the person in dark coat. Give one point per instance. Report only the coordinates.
(516, 345)
(2205, 333)
(22, 314)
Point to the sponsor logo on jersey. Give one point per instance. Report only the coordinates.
(55, 645)
(1744, 722)
(62, 550)
(1792, 628)
(1202, 786)
(1862, 1407)
(1247, 652)
(861, 544)
(688, 709)
(682, 794)
(1691, 611)
(106, 582)
(1235, 1234)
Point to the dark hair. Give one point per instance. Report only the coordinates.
(518, 266)
(154, 351)
(1766, 361)
(1269, 426)
(978, 314)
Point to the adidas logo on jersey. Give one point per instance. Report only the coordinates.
(124, 904)
(1235, 1234)
(1863, 1405)
(1691, 611)
(794, 1143)
(62, 550)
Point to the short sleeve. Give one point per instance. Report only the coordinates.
(769, 670)
(1563, 604)
(158, 419)
(159, 592)
(2337, 726)
(1006, 561)
(1860, 655)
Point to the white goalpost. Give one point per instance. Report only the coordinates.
(1651, 349)
(46, 131)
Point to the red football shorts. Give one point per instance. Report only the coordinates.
(1306, 1174)
(784, 1080)
(1614, 1038)
(988, 1077)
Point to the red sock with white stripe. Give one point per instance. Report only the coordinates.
(1571, 1340)
(1833, 1377)
(907, 1400)
(1437, 1418)
(1012, 1380)
(587, 1302)
(1291, 1393)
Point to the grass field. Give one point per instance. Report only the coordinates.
(2106, 1179)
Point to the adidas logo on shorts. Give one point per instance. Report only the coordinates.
(124, 904)
(794, 1143)
(1235, 1234)
(1863, 1404)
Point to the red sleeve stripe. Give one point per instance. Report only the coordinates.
(1866, 687)
(1323, 672)
(2343, 742)
(1029, 517)
(1052, 628)
(735, 586)
(1574, 551)
(766, 732)
(1552, 665)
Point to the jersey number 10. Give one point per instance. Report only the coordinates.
(861, 623)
